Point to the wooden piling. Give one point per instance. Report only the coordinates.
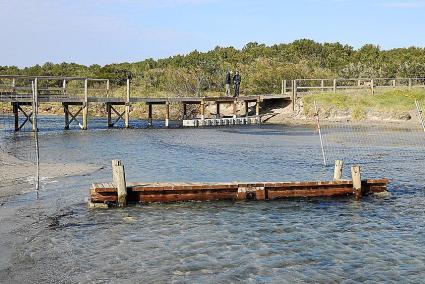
(85, 106)
(202, 109)
(66, 112)
(118, 177)
(338, 169)
(16, 115)
(184, 111)
(357, 182)
(109, 113)
(167, 114)
(246, 108)
(218, 109)
(149, 114)
(235, 108)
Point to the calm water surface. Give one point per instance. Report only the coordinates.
(328, 240)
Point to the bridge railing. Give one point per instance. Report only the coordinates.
(305, 86)
(67, 88)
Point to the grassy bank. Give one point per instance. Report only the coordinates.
(395, 104)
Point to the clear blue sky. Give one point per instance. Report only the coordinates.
(110, 31)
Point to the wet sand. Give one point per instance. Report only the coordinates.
(18, 172)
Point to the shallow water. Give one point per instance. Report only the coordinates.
(58, 239)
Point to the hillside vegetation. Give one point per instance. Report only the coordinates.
(262, 67)
(396, 104)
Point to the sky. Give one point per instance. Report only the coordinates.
(112, 31)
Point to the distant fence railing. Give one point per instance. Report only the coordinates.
(305, 86)
(75, 87)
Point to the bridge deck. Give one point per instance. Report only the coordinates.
(21, 98)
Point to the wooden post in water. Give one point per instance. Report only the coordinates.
(357, 181)
(16, 115)
(167, 114)
(202, 109)
(127, 106)
(149, 114)
(257, 108)
(118, 178)
(109, 113)
(184, 111)
(66, 112)
(338, 169)
(86, 105)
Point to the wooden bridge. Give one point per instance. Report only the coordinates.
(26, 93)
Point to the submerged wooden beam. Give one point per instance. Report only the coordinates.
(173, 192)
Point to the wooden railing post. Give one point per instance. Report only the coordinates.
(85, 106)
(338, 169)
(410, 83)
(372, 86)
(357, 181)
(64, 86)
(334, 86)
(127, 105)
(35, 105)
(294, 94)
(118, 178)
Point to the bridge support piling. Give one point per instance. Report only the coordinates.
(235, 108)
(184, 111)
(109, 113)
(149, 114)
(257, 111)
(218, 109)
(246, 108)
(202, 109)
(167, 114)
(66, 113)
(16, 115)
(85, 115)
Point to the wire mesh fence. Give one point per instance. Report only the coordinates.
(362, 142)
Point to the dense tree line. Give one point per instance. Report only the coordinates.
(262, 67)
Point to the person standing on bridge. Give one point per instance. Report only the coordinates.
(236, 83)
(227, 82)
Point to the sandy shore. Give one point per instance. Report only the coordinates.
(17, 176)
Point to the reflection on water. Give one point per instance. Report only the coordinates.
(303, 240)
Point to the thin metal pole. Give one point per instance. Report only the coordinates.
(37, 148)
(421, 117)
(320, 133)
